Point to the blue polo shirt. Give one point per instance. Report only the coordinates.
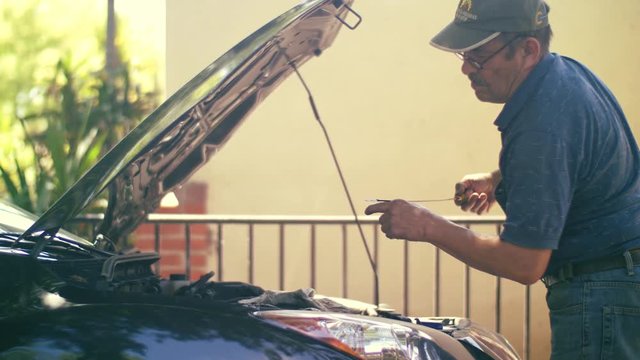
(570, 166)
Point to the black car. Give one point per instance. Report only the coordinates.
(65, 297)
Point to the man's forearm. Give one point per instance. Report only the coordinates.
(492, 255)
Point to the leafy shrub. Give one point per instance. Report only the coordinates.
(67, 126)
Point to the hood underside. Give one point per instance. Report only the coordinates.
(180, 136)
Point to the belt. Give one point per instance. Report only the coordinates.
(628, 260)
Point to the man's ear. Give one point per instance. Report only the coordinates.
(532, 51)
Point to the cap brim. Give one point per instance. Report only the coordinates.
(455, 38)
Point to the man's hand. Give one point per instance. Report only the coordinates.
(476, 192)
(404, 220)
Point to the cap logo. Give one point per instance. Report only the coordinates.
(465, 5)
(464, 13)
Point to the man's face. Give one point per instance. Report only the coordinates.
(499, 74)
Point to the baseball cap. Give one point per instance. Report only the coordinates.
(479, 21)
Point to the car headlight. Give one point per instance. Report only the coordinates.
(366, 337)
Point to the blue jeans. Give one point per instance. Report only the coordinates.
(596, 316)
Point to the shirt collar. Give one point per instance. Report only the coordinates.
(524, 92)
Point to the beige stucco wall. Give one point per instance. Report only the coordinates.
(402, 117)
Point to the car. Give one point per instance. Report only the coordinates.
(66, 297)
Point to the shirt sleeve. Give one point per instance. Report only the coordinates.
(537, 186)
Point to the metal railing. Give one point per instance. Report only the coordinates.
(218, 224)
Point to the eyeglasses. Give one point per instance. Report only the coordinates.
(480, 64)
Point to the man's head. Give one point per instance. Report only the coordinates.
(499, 41)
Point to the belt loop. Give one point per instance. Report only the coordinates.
(629, 262)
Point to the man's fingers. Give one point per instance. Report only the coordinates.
(479, 203)
(377, 208)
(475, 202)
(484, 209)
(469, 201)
(460, 197)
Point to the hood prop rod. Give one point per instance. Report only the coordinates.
(316, 114)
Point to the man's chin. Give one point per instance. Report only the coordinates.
(486, 97)
(481, 95)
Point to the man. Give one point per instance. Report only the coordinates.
(568, 181)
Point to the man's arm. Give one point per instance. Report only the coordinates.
(492, 255)
(403, 220)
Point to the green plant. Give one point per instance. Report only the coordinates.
(67, 126)
(34, 34)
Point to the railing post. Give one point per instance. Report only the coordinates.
(345, 257)
(405, 285)
(498, 302)
(281, 259)
(187, 250)
(313, 256)
(220, 257)
(527, 322)
(251, 253)
(376, 280)
(156, 245)
(436, 283)
(467, 287)
(467, 291)
(498, 292)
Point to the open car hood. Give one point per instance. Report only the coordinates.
(176, 139)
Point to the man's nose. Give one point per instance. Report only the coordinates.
(467, 68)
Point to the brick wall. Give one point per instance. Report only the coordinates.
(192, 198)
